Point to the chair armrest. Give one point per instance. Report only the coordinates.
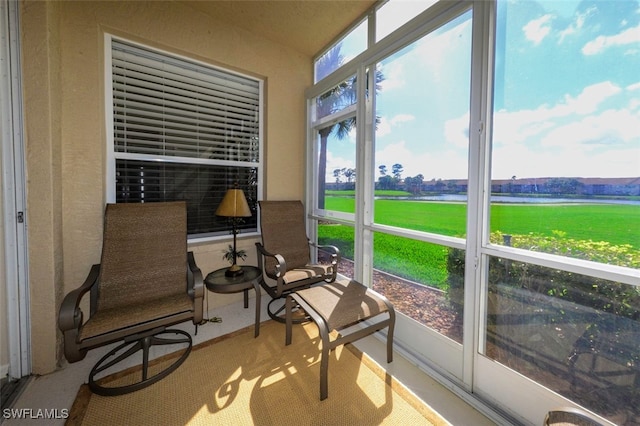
(195, 288)
(281, 264)
(195, 281)
(335, 255)
(335, 259)
(570, 415)
(70, 314)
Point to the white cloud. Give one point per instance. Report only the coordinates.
(398, 12)
(610, 128)
(590, 98)
(537, 29)
(394, 76)
(571, 138)
(385, 125)
(634, 86)
(518, 126)
(336, 163)
(600, 43)
(402, 118)
(441, 165)
(523, 162)
(577, 24)
(383, 128)
(456, 131)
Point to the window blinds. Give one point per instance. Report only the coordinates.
(171, 107)
(184, 131)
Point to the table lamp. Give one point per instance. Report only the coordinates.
(234, 205)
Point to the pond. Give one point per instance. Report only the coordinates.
(461, 198)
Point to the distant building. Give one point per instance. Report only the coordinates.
(543, 186)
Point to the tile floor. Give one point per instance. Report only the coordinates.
(58, 390)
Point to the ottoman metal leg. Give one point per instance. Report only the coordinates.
(308, 301)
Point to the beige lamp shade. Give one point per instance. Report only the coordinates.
(234, 204)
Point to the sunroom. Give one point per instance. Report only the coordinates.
(477, 162)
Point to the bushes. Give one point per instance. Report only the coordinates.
(603, 295)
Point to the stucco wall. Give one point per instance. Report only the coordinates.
(4, 344)
(63, 59)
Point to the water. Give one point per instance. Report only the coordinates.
(516, 200)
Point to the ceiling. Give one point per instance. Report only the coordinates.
(304, 25)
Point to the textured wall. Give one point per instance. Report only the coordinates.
(63, 50)
(4, 344)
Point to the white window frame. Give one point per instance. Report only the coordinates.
(469, 372)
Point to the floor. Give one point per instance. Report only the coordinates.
(57, 391)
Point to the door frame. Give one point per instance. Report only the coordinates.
(14, 194)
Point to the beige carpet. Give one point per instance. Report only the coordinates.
(242, 380)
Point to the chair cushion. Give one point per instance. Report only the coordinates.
(343, 303)
(109, 320)
(307, 272)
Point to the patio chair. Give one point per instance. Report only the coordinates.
(284, 255)
(145, 282)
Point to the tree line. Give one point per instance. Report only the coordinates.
(388, 181)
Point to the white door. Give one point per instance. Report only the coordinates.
(558, 275)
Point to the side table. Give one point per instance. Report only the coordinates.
(217, 282)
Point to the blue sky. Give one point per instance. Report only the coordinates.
(567, 95)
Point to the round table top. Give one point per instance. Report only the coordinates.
(217, 280)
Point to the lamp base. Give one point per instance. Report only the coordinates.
(233, 271)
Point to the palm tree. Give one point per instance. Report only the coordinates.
(340, 96)
(396, 171)
(328, 103)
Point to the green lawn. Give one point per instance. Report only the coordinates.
(616, 224)
(427, 263)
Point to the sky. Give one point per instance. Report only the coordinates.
(566, 95)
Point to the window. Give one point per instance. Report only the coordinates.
(395, 13)
(496, 196)
(182, 130)
(565, 165)
(564, 169)
(422, 135)
(421, 161)
(335, 123)
(352, 44)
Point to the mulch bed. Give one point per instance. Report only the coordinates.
(427, 305)
(431, 307)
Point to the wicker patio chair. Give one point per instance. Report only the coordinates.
(285, 254)
(145, 282)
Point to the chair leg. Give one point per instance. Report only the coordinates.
(144, 343)
(390, 328)
(323, 330)
(324, 370)
(279, 313)
(389, 345)
(288, 320)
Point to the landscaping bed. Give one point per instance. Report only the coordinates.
(539, 351)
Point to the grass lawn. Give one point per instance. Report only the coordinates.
(427, 263)
(616, 224)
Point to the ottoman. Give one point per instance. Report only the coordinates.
(342, 306)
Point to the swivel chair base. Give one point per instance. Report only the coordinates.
(277, 312)
(139, 343)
